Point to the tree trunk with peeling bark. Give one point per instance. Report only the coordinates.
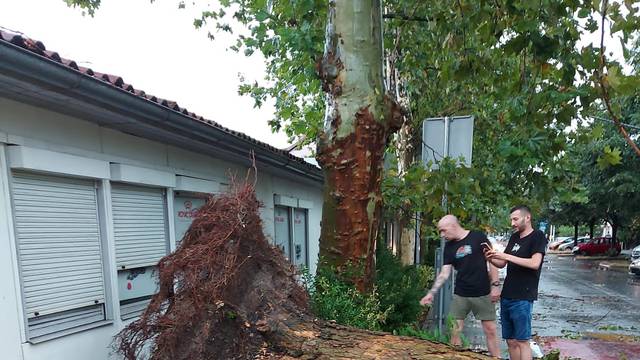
(358, 121)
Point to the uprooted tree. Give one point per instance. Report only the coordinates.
(225, 293)
(516, 65)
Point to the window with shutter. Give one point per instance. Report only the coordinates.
(291, 234)
(59, 251)
(140, 225)
(140, 232)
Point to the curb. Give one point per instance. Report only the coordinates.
(612, 267)
(563, 254)
(598, 257)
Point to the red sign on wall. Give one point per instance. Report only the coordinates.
(188, 212)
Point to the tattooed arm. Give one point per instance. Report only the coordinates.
(444, 274)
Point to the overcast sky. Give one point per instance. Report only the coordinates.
(153, 47)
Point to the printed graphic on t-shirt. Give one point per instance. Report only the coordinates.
(463, 251)
(521, 283)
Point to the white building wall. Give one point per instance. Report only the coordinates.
(10, 310)
(26, 125)
(264, 192)
(91, 344)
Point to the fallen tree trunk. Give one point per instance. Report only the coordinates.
(225, 293)
(323, 340)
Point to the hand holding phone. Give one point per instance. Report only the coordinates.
(486, 246)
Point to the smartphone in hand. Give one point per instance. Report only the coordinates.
(486, 246)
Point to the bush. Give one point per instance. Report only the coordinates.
(400, 289)
(393, 303)
(611, 252)
(334, 299)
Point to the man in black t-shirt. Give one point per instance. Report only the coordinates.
(477, 286)
(523, 257)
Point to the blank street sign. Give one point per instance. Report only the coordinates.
(439, 143)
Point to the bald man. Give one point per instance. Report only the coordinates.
(477, 287)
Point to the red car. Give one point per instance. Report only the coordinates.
(599, 245)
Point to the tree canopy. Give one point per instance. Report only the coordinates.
(606, 170)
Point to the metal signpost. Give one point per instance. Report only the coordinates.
(445, 137)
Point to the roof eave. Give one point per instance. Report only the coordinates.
(138, 115)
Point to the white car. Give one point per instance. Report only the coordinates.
(569, 245)
(635, 253)
(634, 267)
(553, 245)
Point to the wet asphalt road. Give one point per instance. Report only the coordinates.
(577, 296)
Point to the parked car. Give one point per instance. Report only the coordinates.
(635, 253)
(634, 267)
(559, 240)
(599, 245)
(569, 245)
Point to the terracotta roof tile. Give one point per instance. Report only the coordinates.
(53, 55)
(86, 71)
(70, 63)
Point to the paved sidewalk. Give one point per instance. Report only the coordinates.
(592, 348)
(473, 333)
(614, 265)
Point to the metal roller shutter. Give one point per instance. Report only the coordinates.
(48, 324)
(140, 225)
(58, 234)
(134, 309)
